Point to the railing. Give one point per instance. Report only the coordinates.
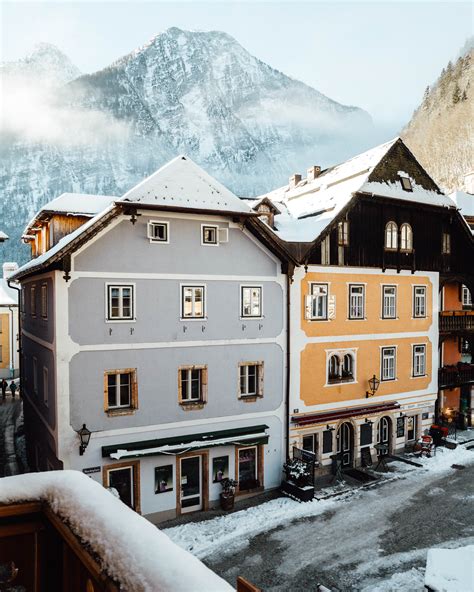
(450, 376)
(456, 320)
(399, 259)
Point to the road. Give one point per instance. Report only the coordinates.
(10, 411)
(362, 544)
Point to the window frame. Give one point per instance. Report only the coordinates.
(203, 382)
(215, 228)
(446, 243)
(389, 287)
(343, 233)
(193, 287)
(383, 351)
(340, 356)
(313, 298)
(326, 250)
(108, 304)
(406, 183)
(44, 301)
(251, 287)
(154, 240)
(33, 300)
(259, 380)
(350, 316)
(413, 418)
(133, 394)
(393, 233)
(414, 358)
(406, 237)
(425, 300)
(466, 296)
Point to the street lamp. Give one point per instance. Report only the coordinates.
(374, 384)
(85, 436)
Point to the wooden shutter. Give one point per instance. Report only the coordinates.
(308, 300)
(260, 379)
(204, 383)
(180, 386)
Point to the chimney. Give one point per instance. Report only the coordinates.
(313, 172)
(9, 269)
(294, 180)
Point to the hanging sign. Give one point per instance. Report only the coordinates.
(91, 470)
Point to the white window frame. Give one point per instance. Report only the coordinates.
(117, 375)
(466, 296)
(244, 369)
(108, 303)
(46, 386)
(340, 354)
(384, 296)
(384, 356)
(391, 233)
(152, 238)
(419, 360)
(350, 316)
(312, 300)
(326, 250)
(415, 302)
(188, 383)
(193, 287)
(250, 287)
(214, 227)
(406, 238)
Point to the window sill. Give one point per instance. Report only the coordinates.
(339, 382)
(120, 320)
(317, 320)
(420, 376)
(250, 398)
(193, 319)
(251, 318)
(356, 318)
(192, 406)
(117, 412)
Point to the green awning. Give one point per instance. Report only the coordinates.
(249, 436)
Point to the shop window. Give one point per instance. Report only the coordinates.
(248, 468)
(411, 427)
(310, 443)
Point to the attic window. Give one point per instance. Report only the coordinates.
(158, 231)
(406, 184)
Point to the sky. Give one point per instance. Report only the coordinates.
(377, 55)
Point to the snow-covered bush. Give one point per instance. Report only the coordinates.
(297, 471)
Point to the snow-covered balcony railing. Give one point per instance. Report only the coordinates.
(450, 376)
(456, 321)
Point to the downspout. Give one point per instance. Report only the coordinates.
(288, 341)
(12, 344)
(20, 356)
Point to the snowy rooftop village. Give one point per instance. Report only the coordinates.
(236, 296)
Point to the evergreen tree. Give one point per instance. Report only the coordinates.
(457, 95)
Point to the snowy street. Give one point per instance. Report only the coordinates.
(10, 411)
(373, 540)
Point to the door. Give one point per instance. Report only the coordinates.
(345, 444)
(122, 480)
(383, 433)
(191, 484)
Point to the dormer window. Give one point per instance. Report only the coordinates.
(406, 184)
(267, 211)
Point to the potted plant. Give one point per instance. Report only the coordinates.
(228, 493)
(297, 484)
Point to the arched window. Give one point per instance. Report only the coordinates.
(348, 366)
(391, 236)
(334, 366)
(406, 237)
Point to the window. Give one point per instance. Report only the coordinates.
(33, 301)
(327, 441)
(44, 301)
(343, 233)
(120, 303)
(310, 443)
(419, 360)
(446, 245)
(406, 184)
(125, 479)
(347, 367)
(248, 468)
(192, 384)
(411, 427)
(334, 368)
(356, 301)
(35, 376)
(251, 301)
(251, 379)
(158, 232)
(406, 238)
(388, 363)
(45, 386)
(209, 235)
(389, 302)
(192, 302)
(341, 368)
(120, 390)
(391, 236)
(419, 301)
(325, 251)
(466, 297)
(317, 302)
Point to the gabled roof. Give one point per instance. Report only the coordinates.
(8, 296)
(182, 184)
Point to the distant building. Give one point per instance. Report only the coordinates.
(9, 349)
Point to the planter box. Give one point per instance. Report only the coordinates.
(227, 502)
(302, 494)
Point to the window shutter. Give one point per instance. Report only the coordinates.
(204, 383)
(134, 401)
(180, 386)
(223, 235)
(331, 307)
(150, 230)
(260, 379)
(308, 302)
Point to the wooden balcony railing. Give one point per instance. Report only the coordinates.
(451, 376)
(456, 321)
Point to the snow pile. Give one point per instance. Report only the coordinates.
(132, 550)
(450, 570)
(408, 581)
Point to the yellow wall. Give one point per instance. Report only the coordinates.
(5, 339)
(341, 325)
(313, 370)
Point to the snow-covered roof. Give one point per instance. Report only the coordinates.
(84, 204)
(3, 236)
(464, 201)
(131, 549)
(450, 570)
(181, 183)
(8, 296)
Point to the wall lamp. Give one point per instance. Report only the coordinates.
(374, 384)
(85, 436)
(369, 421)
(329, 428)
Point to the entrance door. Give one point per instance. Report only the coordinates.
(191, 484)
(383, 433)
(345, 444)
(122, 481)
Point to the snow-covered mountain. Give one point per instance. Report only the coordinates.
(200, 93)
(441, 130)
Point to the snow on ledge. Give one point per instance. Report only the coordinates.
(450, 570)
(132, 550)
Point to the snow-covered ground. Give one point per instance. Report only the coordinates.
(372, 540)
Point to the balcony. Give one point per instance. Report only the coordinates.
(452, 376)
(456, 321)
